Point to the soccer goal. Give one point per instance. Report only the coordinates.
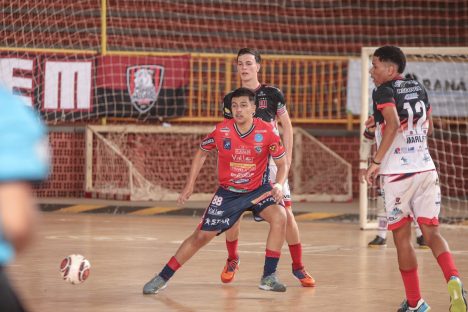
(444, 73)
(140, 162)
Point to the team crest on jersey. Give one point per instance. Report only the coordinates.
(227, 143)
(144, 83)
(262, 103)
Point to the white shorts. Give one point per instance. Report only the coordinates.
(408, 196)
(286, 191)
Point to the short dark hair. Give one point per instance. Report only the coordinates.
(244, 92)
(392, 54)
(254, 52)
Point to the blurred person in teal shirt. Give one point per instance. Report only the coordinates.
(23, 159)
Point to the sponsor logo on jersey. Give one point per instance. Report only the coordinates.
(207, 141)
(427, 157)
(409, 90)
(227, 143)
(397, 201)
(411, 96)
(262, 103)
(394, 214)
(405, 150)
(242, 151)
(242, 158)
(212, 222)
(241, 181)
(225, 129)
(215, 212)
(258, 149)
(258, 137)
(144, 83)
(404, 161)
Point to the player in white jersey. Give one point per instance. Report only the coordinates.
(410, 183)
(365, 149)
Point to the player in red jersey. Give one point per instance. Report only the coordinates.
(410, 183)
(245, 145)
(271, 107)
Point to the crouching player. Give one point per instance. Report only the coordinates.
(245, 145)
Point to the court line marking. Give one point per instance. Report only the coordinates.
(317, 215)
(80, 208)
(152, 211)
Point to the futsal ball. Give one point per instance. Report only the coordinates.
(75, 269)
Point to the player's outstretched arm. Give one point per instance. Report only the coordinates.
(288, 136)
(197, 164)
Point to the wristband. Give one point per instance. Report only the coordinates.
(278, 186)
(375, 163)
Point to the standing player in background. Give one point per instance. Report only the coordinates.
(23, 159)
(245, 145)
(271, 107)
(380, 239)
(409, 179)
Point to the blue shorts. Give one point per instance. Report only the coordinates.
(227, 207)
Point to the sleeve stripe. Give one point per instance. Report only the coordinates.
(382, 106)
(204, 149)
(281, 111)
(279, 156)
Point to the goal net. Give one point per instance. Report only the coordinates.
(135, 162)
(444, 73)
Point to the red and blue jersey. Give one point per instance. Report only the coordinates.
(243, 157)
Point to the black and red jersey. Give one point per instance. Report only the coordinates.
(269, 101)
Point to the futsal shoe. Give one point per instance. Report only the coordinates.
(377, 242)
(422, 306)
(421, 242)
(155, 285)
(272, 283)
(230, 269)
(457, 295)
(305, 278)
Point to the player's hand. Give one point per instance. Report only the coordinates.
(362, 175)
(371, 173)
(185, 195)
(277, 194)
(370, 122)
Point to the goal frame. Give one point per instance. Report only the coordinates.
(366, 52)
(296, 170)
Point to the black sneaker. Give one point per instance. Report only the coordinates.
(421, 242)
(378, 241)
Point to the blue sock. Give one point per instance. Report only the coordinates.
(270, 266)
(166, 273)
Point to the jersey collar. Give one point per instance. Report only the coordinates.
(243, 135)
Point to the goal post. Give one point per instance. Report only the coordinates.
(144, 162)
(444, 73)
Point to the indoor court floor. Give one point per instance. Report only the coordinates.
(125, 251)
